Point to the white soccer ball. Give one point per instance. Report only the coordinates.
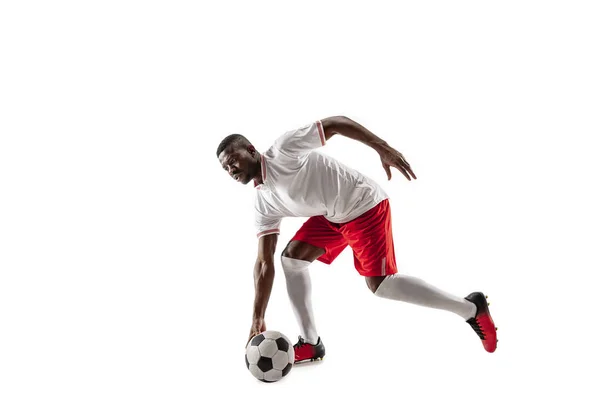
(269, 356)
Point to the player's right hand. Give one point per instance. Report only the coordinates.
(258, 327)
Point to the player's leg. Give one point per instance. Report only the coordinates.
(370, 236)
(416, 291)
(473, 308)
(295, 259)
(316, 239)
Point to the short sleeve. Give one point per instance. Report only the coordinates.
(265, 222)
(301, 141)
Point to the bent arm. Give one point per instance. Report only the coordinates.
(344, 126)
(390, 157)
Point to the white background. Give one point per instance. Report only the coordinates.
(126, 253)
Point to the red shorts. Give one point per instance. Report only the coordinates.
(369, 236)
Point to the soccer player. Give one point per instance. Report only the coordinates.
(344, 208)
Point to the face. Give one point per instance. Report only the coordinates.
(240, 163)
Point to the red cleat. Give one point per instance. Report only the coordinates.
(308, 352)
(482, 323)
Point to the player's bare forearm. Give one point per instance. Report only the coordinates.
(390, 157)
(264, 274)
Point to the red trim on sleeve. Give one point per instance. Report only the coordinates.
(321, 132)
(267, 232)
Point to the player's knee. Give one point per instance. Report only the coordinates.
(293, 250)
(373, 282)
(289, 252)
(302, 251)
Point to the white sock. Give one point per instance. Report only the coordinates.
(297, 279)
(416, 291)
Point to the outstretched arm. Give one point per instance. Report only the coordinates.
(390, 157)
(264, 273)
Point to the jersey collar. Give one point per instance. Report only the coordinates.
(263, 170)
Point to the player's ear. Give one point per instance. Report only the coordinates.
(251, 150)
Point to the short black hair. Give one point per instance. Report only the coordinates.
(234, 139)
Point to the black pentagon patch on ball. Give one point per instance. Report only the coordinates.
(286, 369)
(282, 344)
(257, 339)
(247, 363)
(266, 381)
(265, 364)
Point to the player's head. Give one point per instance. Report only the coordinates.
(239, 158)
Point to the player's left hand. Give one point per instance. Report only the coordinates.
(391, 157)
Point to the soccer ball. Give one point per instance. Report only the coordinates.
(269, 356)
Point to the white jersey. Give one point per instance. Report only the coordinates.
(299, 182)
